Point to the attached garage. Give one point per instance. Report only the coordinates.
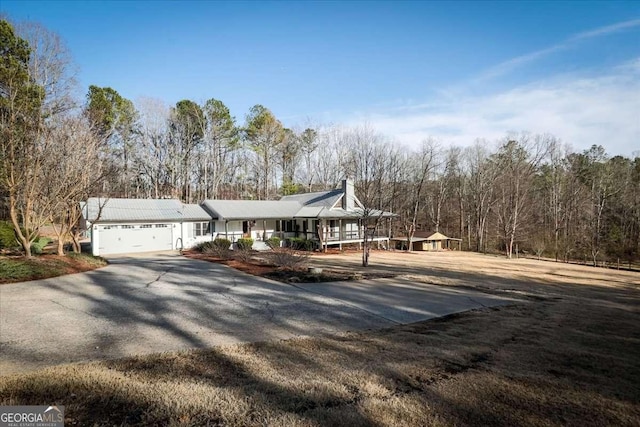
(127, 238)
(120, 226)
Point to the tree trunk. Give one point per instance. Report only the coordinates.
(22, 239)
(412, 232)
(365, 251)
(76, 243)
(60, 247)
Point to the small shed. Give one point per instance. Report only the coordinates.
(437, 242)
(428, 242)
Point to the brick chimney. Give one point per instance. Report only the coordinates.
(348, 195)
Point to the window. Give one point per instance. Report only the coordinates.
(162, 225)
(127, 226)
(146, 226)
(201, 229)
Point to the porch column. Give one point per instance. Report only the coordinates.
(226, 229)
(95, 240)
(340, 232)
(264, 230)
(325, 232)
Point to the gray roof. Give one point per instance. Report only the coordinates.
(310, 205)
(251, 209)
(325, 199)
(194, 213)
(356, 213)
(309, 212)
(142, 210)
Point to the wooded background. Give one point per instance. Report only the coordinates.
(529, 193)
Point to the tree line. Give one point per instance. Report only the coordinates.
(524, 193)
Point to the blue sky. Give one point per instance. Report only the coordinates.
(455, 71)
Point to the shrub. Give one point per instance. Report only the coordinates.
(273, 242)
(288, 259)
(221, 243)
(202, 247)
(242, 255)
(38, 245)
(300, 244)
(7, 235)
(218, 248)
(244, 244)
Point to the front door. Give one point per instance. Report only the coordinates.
(246, 229)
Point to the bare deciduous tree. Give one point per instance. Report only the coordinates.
(375, 166)
(517, 162)
(35, 83)
(418, 167)
(482, 175)
(72, 170)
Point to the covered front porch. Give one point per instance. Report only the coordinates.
(325, 232)
(348, 231)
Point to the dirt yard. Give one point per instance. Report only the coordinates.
(487, 272)
(570, 355)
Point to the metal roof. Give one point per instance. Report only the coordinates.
(231, 210)
(325, 199)
(194, 213)
(141, 210)
(309, 212)
(251, 209)
(356, 213)
(309, 205)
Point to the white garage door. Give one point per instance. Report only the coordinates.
(126, 238)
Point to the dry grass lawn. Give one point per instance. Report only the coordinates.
(570, 356)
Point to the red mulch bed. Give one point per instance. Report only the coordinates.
(286, 275)
(246, 267)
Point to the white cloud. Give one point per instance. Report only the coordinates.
(582, 111)
(609, 29)
(511, 64)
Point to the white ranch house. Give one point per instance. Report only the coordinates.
(328, 218)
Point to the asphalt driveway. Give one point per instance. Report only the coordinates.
(165, 302)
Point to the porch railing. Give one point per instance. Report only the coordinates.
(345, 235)
(331, 235)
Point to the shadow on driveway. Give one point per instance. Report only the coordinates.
(165, 302)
